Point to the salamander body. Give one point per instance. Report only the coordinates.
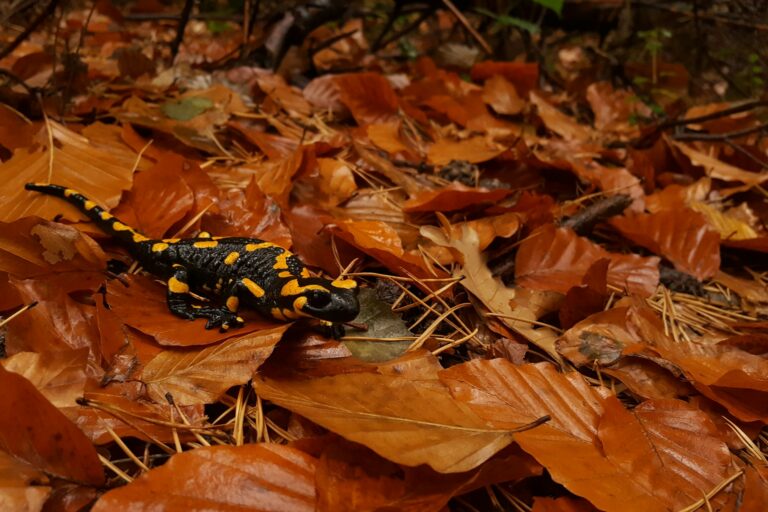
(242, 271)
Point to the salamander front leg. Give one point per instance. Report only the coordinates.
(180, 305)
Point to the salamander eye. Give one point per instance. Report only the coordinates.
(318, 300)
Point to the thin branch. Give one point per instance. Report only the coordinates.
(30, 28)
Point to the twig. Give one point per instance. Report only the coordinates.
(183, 20)
(720, 136)
(463, 20)
(30, 28)
(583, 221)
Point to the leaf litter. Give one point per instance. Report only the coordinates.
(626, 353)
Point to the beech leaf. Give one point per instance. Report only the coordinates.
(410, 422)
(200, 376)
(255, 477)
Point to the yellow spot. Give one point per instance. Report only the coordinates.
(69, 192)
(305, 273)
(218, 285)
(119, 226)
(299, 303)
(89, 205)
(139, 237)
(171, 240)
(233, 303)
(204, 234)
(287, 313)
(256, 290)
(256, 247)
(105, 215)
(344, 283)
(293, 287)
(284, 273)
(159, 247)
(240, 319)
(277, 314)
(281, 261)
(176, 286)
(206, 245)
(231, 258)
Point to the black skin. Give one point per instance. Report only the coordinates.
(243, 271)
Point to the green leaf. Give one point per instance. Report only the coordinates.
(382, 324)
(510, 21)
(553, 5)
(187, 108)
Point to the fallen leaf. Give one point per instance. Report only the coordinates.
(556, 259)
(715, 168)
(682, 236)
(257, 477)
(502, 96)
(99, 172)
(33, 430)
(609, 448)
(517, 307)
(201, 376)
(141, 303)
(558, 122)
(369, 97)
(22, 487)
(474, 150)
(406, 421)
(59, 376)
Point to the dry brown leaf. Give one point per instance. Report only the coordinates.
(682, 236)
(502, 96)
(99, 172)
(518, 310)
(715, 168)
(563, 125)
(22, 487)
(556, 259)
(474, 150)
(60, 376)
(410, 422)
(33, 430)
(200, 376)
(663, 457)
(254, 477)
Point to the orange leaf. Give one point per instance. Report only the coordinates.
(159, 198)
(561, 124)
(141, 303)
(715, 168)
(523, 75)
(140, 419)
(33, 430)
(22, 487)
(682, 236)
(33, 247)
(474, 150)
(60, 376)
(256, 477)
(502, 96)
(671, 450)
(369, 97)
(557, 258)
(387, 137)
(663, 457)
(100, 172)
(407, 421)
(380, 241)
(453, 197)
(201, 376)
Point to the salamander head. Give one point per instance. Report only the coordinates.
(331, 301)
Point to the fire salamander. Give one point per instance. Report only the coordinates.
(242, 271)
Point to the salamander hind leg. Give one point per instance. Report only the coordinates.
(180, 304)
